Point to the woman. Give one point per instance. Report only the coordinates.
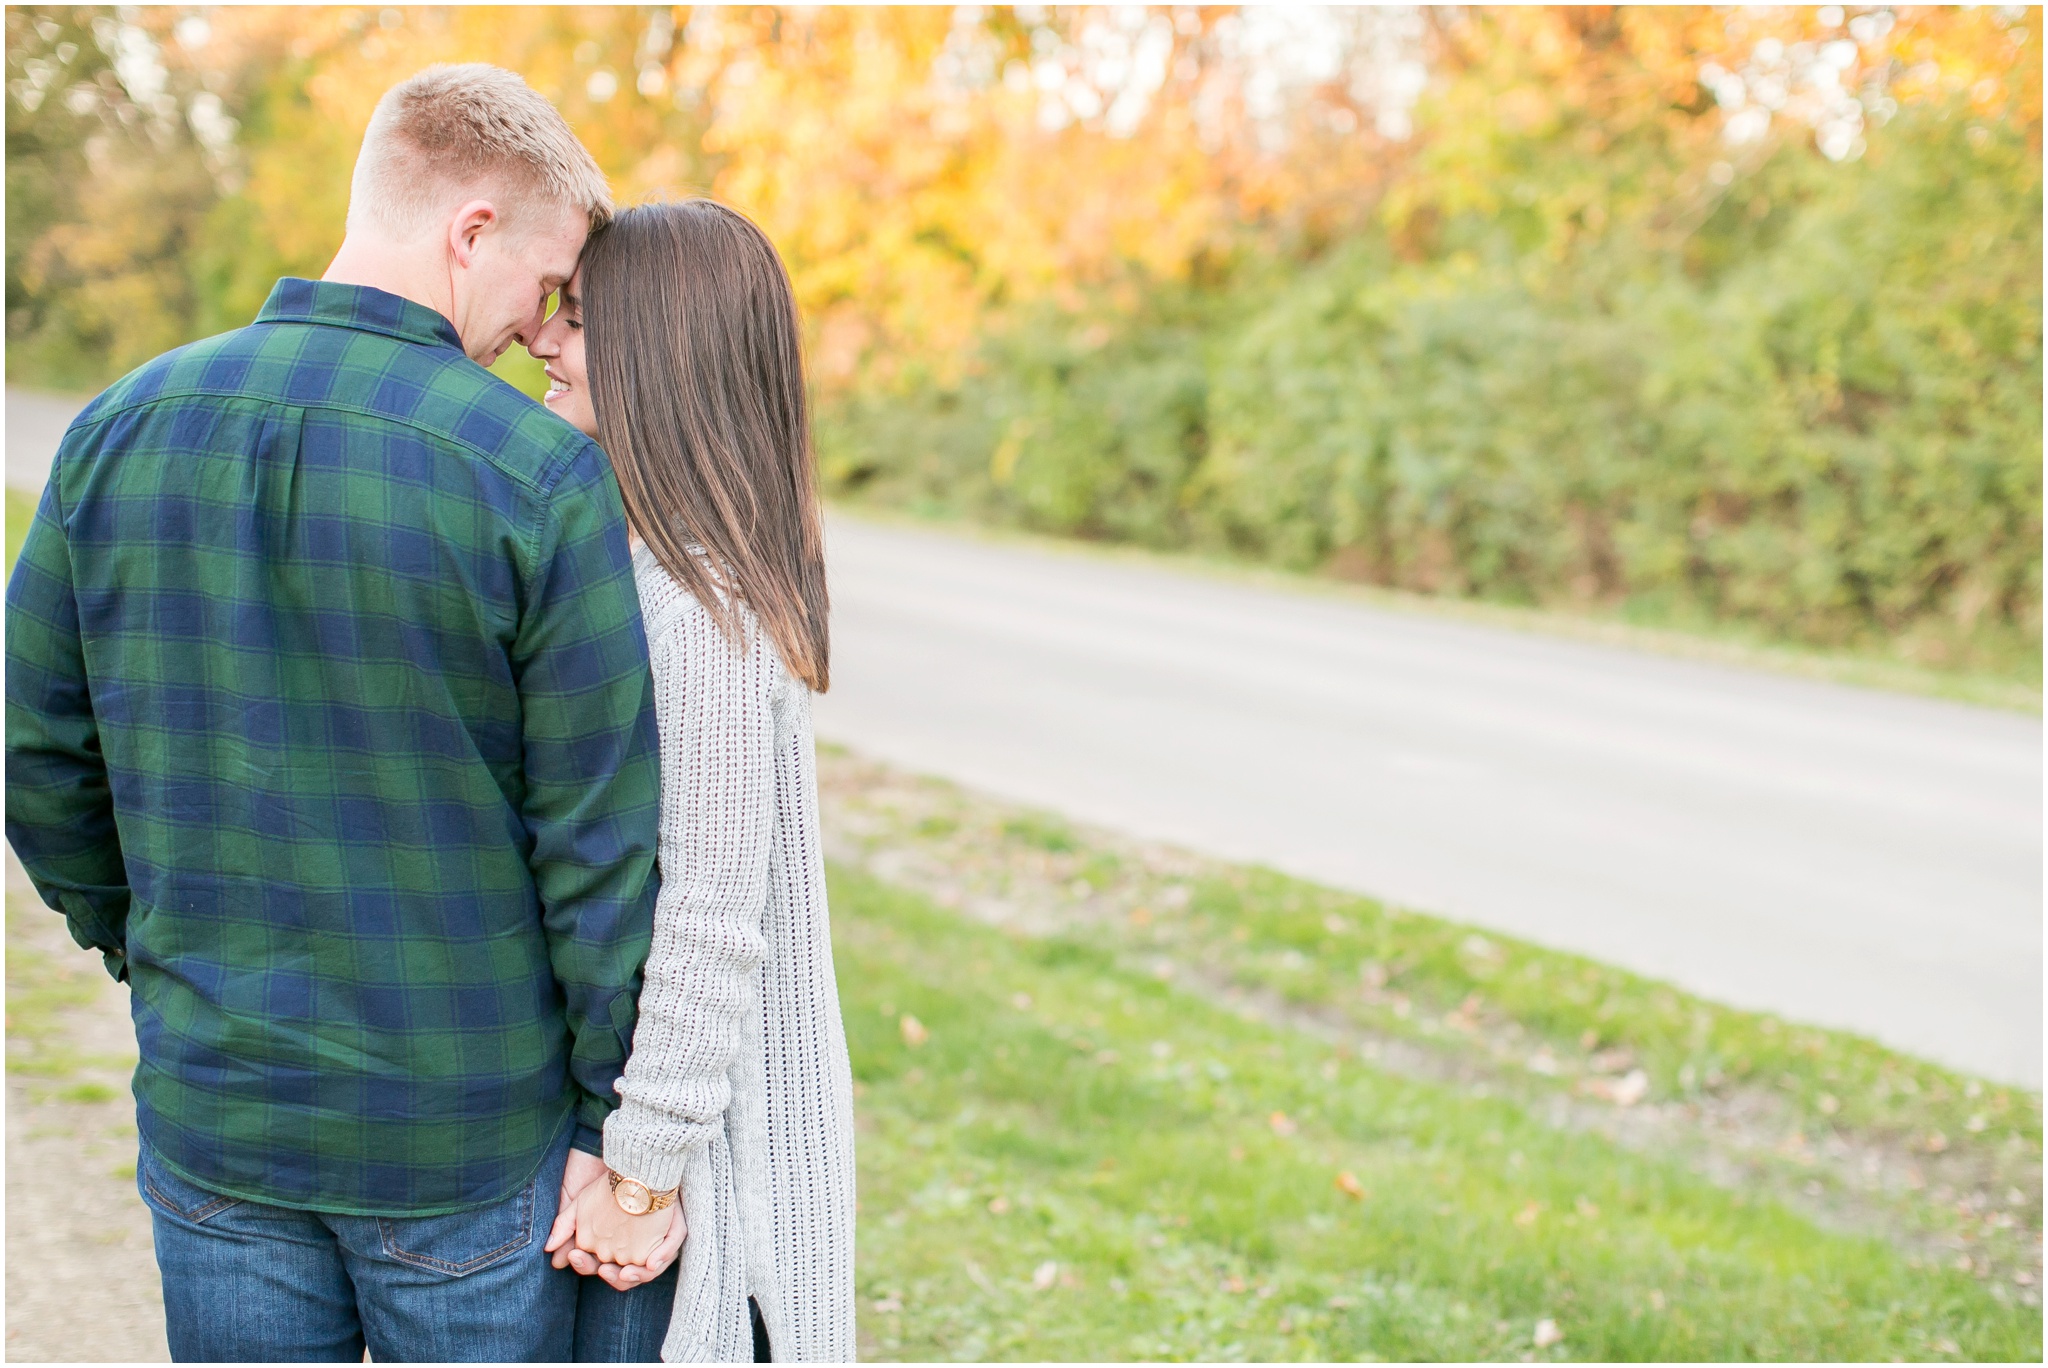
(676, 346)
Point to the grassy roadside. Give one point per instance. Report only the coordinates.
(1750, 1188)
(2017, 688)
(21, 511)
(1063, 1157)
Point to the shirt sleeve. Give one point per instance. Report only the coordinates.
(60, 810)
(592, 797)
(716, 707)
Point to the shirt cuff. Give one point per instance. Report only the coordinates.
(589, 1139)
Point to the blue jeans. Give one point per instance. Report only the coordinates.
(247, 1282)
(624, 1327)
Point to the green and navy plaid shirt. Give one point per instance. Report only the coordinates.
(329, 723)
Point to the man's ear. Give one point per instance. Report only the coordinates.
(470, 223)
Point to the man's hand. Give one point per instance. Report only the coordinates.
(605, 1234)
(629, 1276)
(580, 1172)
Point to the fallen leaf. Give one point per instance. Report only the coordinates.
(1548, 1334)
(1829, 1104)
(979, 1278)
(1281, 1123)
(1587, 1208)
(1021, 1001)
(1348, 1184)
(888, 1306)
(1543, 1062)
(1936, 1142)
(1233, 1285)
(1048, 1273)
(998, 1205)
(1976, 1124)
(1527, 1215)
(1237, 1154)
(1141, 916)
(914, 1032)
(1632, 1089)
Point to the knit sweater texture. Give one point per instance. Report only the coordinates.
(738, 1086)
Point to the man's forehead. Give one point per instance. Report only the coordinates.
(559, 263)
(561, 241)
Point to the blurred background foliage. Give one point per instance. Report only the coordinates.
(1712, 317)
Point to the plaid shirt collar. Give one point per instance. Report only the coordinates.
(360, 307)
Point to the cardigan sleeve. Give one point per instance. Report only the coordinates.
(715, 710)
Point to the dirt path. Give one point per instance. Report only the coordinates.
(81, 1274)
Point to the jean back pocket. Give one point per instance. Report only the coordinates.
(173, 1195)
(462, 1242)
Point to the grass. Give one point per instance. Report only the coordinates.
(2012, 682)
(45, 994)
(1495, 1078)
(21, 511)
(1065, 1157)
(1425, 977)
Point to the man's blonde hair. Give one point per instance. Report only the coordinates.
(469, 128)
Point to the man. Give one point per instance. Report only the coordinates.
(329, 724)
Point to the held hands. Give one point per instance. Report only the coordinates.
(593, 1236)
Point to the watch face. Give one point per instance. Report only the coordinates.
(633, 1197)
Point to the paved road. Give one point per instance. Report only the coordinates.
(1845, 857)
(35, 424)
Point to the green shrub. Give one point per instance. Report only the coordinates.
(1818, 414)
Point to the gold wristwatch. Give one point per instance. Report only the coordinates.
(635, 1198)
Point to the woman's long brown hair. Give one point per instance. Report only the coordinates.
(696, 373)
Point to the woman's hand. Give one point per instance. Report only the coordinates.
(626, 1277)
(609, 1235)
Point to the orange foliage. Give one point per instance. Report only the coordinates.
(918, 167)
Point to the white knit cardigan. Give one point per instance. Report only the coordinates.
(738, 1085)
